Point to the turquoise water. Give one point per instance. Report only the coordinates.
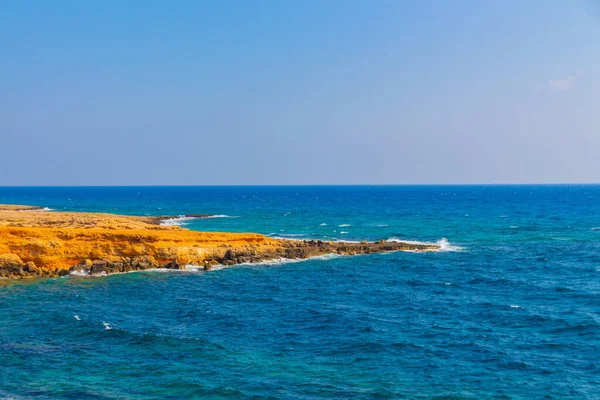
(510, 311)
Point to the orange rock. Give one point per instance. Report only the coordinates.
(53, 242)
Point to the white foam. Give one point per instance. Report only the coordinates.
(181, 220)
(78, 273)
(515, 306)
(194, 268)
(442, 243)
(279, 261)
(288, 236)
(323, 224)
(381, 225)
(38, 209)
(344, 225)
(280, 237)
(514, 227)
(77, 317)
(272, 262)
(343, 232)
(107, 326)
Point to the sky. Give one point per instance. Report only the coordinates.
(299, 92)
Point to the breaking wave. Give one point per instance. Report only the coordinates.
(272, 262)
(182, 220)
(443, 243)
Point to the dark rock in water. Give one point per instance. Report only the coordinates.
(228, 255)
(99, 263)
(175, 265)
(98, 268)
(114, 267)
(79, 270)
(87, 262)
(210, 264)
(30, 267)
(143, 262)
(98, 271)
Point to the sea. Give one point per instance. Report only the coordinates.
(509, 308)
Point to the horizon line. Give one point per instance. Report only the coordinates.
(310, 185)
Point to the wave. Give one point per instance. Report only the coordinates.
(443, 243)
(288, 236)
(323, 224)
(596, 228)
(272, 262)
(39, 209)
(181, 220)
(78, 273)
(344, 225)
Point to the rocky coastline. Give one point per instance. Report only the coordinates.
(49, 244)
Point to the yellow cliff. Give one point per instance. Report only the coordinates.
(35, 243)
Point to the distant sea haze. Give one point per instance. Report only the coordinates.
(508, 309)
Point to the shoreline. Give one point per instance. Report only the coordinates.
(35, 242)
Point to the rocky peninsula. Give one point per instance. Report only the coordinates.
(35, 242)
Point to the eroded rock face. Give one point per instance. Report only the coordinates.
(11, 266)
(102, 244)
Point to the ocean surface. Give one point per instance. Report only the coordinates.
(509, 310)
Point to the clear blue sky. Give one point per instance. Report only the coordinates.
(299, 92)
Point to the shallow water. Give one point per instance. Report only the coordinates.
(511, 310)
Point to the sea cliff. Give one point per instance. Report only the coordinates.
(35, 242)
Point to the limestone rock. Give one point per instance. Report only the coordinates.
(11, 266)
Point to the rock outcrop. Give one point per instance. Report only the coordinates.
(36, 244)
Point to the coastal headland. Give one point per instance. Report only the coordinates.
(36, 242)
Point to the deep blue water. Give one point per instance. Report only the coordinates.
(513, 312)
